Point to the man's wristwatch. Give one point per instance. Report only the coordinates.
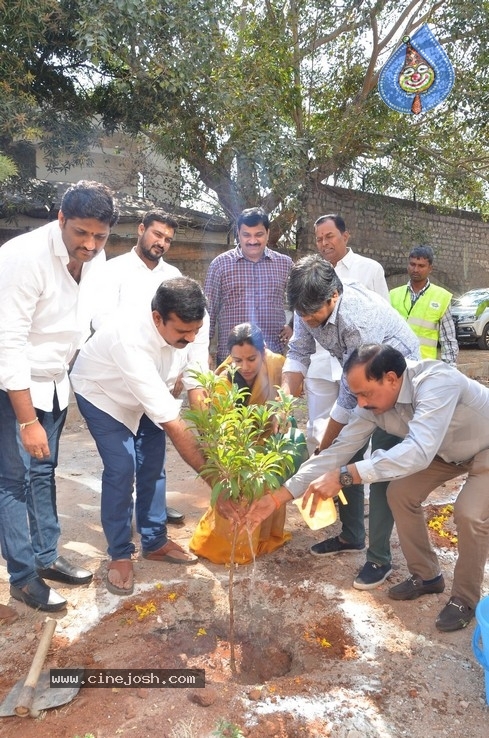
(346, 479)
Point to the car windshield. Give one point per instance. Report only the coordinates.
(472, 298)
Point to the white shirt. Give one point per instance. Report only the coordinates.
(127, 369)
(356, 268)
(351, 268)
(128, 284)
(44, 314)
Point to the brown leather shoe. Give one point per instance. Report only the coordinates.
(171, 552)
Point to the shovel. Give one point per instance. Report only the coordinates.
(33, 694)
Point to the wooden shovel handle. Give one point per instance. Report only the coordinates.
(26, 697)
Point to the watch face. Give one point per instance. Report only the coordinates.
(346, 479)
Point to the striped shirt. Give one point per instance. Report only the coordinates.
(242, 291)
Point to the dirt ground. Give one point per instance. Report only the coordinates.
(315, 657)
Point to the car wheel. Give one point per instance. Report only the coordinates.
(483, 341)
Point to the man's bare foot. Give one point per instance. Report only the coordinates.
(120, 577)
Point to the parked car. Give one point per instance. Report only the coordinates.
(471, 317)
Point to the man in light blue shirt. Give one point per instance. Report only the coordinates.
(443, 418)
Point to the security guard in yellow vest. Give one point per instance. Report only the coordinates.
(426, 308)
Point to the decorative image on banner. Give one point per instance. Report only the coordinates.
(418, 76)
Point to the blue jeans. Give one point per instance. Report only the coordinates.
(29, 527)
(125, 457)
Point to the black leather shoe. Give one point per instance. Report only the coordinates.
(38, 595)
(455, 615)
(62, 571)
(414, 587)
(173, 516)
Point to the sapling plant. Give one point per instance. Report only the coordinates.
(248, 450)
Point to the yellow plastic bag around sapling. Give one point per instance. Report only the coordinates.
(325, 511)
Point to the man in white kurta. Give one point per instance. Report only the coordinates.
(47, 281)
(130, 281)
(123, 380)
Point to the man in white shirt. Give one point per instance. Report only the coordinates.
(47, 278)
(131, 280)
(123, 380)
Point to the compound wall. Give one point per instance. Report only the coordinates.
(386, 228)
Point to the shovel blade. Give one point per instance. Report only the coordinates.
(45, 696)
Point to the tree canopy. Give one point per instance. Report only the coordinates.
(255, 97)
(42, 67)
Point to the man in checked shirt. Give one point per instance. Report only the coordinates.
(247, 285)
